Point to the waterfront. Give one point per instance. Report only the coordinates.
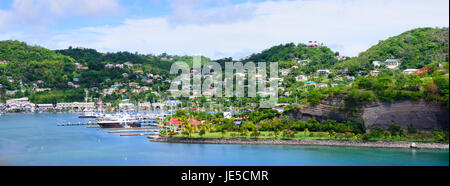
(35, 139)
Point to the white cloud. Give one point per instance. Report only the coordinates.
(196, 12)
(39, 13)
(347, 26)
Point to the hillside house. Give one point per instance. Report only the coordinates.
(303, 62)
(340, 58)
(302, 78)
(374, 72)
(321, 85)
(285, 72)
(377, 63)
(323, 72)
(310, 83)
(392, 64)
(409, 71)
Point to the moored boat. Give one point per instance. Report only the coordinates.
(88, 115)
(120, 123)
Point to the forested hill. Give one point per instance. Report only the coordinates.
(16, 51)
(415, 49)
(96, 60)
(319, 57)
(27, 64)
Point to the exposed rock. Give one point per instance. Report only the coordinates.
(421, 114)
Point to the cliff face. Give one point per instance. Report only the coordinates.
(420, 114)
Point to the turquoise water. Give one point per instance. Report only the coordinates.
(35, 139)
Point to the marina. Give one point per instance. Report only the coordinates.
(119, 123)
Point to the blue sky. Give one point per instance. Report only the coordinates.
(214, 28)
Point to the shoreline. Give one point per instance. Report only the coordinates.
(330, 143)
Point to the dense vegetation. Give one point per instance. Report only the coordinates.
(415, 49)
(320, 57)
(265, 124)
(28, 64)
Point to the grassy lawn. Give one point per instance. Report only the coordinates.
(264, 135)
(300, 136)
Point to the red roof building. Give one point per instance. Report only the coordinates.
(174, 121)
(195, 122)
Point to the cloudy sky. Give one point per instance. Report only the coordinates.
(214, 28)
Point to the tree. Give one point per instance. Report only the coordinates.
(314, 96)
(202, 132)
(394, 129)
(305, 132)
(255, 133)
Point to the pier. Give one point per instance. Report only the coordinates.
(77, 124)
(149, 127)
(141, 134)
(133, 131)
(133, 128)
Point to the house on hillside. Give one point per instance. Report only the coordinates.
(340, 58)
(409, 71)
(377, 63)
(301, 78)
(323, 72)
(285, 72)
(374, 72)
(392, 64)
(321, 85)
(310, 83)
(303, 62)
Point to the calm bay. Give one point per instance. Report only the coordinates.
(36, 140)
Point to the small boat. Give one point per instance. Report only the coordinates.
(89, 115)
(124, 122)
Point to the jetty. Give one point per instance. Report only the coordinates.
(133, 131)
(141, 134)
(77, 124)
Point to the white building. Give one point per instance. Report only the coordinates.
(392, 64)
(321, 85)
(323, 71)
(374, 72)
(377, 63)
(172, 103)
(21, 104)
(75, 106)
(126, 106)
(303, 62)
(409, 71)
(302, 78)
(285, 72)
(42, 107)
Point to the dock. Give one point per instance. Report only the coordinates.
(133, 128)
(77, 124)
(133, 131)
(148, 127)
(141, 134)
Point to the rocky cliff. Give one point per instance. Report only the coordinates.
(421, 114)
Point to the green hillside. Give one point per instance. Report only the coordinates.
(27, 64)
(320, 57)
(415, 49)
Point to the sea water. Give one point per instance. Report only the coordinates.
(36, 140)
